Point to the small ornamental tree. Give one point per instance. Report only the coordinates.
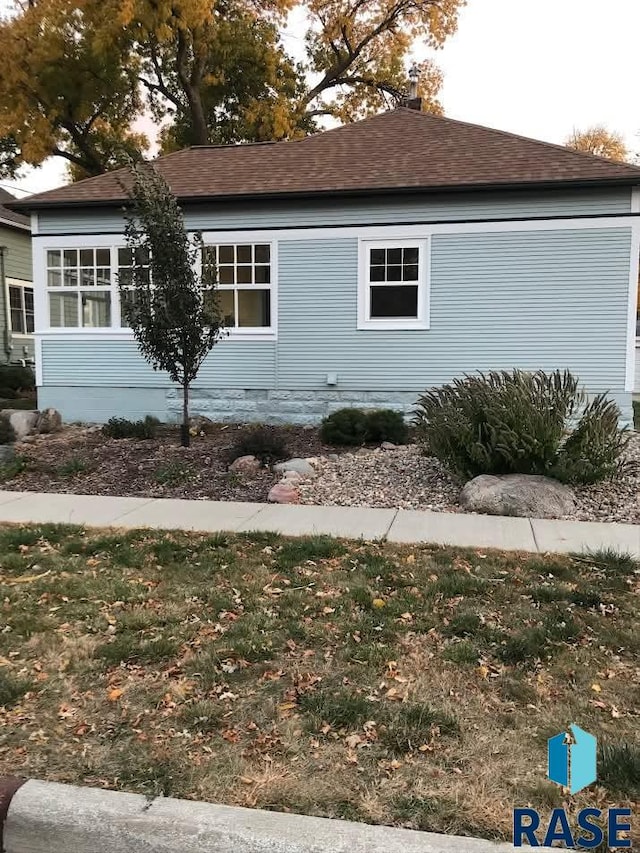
(169, 304)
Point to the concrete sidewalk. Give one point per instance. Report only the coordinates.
(411, 526)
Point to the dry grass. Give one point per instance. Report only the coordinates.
(413, 686)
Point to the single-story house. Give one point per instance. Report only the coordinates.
(358, 266)
(16, 287)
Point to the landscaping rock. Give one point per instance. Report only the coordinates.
(245, 465)
(292, 477)
(284, 493)
(525, 495)
(7, 453)
(23, 422)
(49, 420)
(300, 466)
(388, 445)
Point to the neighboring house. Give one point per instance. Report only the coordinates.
(356, 267)
(16, 288)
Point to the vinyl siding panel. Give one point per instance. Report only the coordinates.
(106, 363)
(17, 264)
(531, 300)
(391, 209)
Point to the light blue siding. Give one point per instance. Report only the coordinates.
(527, 299)
(390, 209)
(545, 299)
(117, 363)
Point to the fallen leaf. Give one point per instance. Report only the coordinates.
(114, 694)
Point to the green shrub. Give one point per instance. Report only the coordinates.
(7, 434)
(386, 425)
(118, 428)
(8, 393)
(17, 378)
(636, 414)
(522, 423)
(346, 427)
(265, 443)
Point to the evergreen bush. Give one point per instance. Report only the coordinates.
(522, 423)
(344, 427)
(386, 425)
(355, 426)
(17, 378)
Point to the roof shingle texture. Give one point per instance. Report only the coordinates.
(398, 149)
(10, 215)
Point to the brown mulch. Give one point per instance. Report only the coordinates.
(82, 460)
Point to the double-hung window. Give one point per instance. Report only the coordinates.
(393, 284)
(21, 308)
(79, 288)
(245, 285)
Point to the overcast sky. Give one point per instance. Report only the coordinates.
(534, 67)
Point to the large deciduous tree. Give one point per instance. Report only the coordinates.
(65, 90)
(600, 141)
(168, 297)
(77, 73)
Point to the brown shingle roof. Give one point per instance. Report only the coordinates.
(7, 215)
(400, 149)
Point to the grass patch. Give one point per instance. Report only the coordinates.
(12, 689)
(73, 466)
(11, 469)
(174, 473)
(412, 686)
(619, 768)
(131, 649)
(342, 709)
(610, 561)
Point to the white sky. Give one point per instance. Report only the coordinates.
(534, 67)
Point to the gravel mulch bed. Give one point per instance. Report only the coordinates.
(403, 478)
(81, 460)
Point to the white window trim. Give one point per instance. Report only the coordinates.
(114, 242)
(18, 282)
(252, 333)
(421, 322)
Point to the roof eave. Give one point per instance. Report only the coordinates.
(591, 183)
(11, 223)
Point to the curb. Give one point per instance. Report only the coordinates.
(48, 817)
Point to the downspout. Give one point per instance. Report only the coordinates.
(8, 343)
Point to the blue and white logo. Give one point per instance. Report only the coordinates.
(572, 758)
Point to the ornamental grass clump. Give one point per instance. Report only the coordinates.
(522, 423)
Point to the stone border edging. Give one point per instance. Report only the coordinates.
(48, 817)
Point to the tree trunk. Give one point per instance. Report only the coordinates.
(185, 437)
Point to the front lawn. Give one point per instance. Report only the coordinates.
(413, 686)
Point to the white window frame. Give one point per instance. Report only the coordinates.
(421, 321)
(19, 283)
(78, 290)
(113, 242)
(256, 333)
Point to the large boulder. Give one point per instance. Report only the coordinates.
(300, 466)
(284, 493)
(245, 465)
(526, 495)
(49, 420)
(23, 421)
